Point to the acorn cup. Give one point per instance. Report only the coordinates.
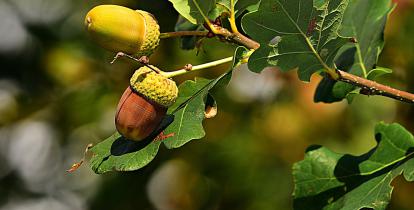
(120, 29)
(144, 103)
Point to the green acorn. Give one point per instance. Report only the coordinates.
(144, 103)
(120, 29)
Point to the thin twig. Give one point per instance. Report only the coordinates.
(182, 33)
(370, 87)
(144, 60)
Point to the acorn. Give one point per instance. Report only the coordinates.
(120, 29)
(144, 103)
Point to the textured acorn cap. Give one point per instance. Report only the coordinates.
(152, 34)
(154, 86)
(120, 29)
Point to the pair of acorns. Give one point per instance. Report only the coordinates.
(144, 103)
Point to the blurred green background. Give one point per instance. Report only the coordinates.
(58, 93)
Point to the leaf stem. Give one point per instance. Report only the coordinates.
(182, 33)
(197, 67)
(332, 73)
(232, 18)
(359, 54)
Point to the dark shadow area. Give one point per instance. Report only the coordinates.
(312, 147)
(123, 146)
(210, 101)
(323, 92)
(410, 152)
(346, 171)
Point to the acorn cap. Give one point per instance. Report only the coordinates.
(152, 34)
(154, 86)
(120, 29)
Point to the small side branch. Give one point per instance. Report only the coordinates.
(182, 33)
(144, 60)
(370, 87)
(235, 37)
(191, 68)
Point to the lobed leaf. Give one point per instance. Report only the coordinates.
(296, 34)
(328, 180)
(103, 160)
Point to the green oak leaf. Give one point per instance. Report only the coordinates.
(296, 34)
(190, 105)
(328, 180)
(189, 10)
(365, 21)
(103, 160)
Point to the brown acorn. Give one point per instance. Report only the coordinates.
(144, 103)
